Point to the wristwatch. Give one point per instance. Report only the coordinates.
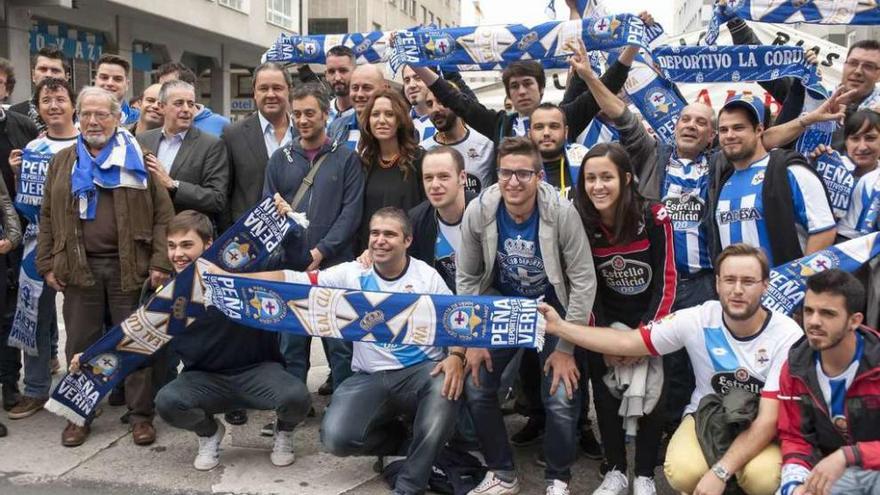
(721, 471)
(175, 185)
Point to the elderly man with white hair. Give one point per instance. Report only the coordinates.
(102, 234)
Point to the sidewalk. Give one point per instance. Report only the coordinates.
(33, 461)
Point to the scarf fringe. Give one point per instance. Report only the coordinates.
(60, 409)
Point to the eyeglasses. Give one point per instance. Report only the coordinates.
(866, 66)
(522, 174)
(99, 116)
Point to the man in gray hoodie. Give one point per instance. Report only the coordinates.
(519, 238)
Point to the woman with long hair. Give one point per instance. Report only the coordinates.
(392, 158)
(631, 241)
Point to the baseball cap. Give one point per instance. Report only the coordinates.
(749, 102)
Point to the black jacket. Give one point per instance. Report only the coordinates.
(424, 222)
(778, 207)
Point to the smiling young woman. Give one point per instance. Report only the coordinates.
(391, 156)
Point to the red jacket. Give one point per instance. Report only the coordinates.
(807, 432)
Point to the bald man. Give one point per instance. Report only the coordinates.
(678, 176)
(151, 117)
(366, 80)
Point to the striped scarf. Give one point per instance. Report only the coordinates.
(119, 164)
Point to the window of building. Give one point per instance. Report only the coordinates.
(280, 13)
(239, 5)
(328, 25)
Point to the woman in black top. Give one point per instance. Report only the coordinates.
(392, 159)
(632, 244)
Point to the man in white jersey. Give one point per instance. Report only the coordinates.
(54, 100)
(390, 380)
(476, 149)
(732, 342)
(828, 393)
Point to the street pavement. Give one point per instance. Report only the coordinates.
(32, 460)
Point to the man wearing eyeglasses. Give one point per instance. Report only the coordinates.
(861, 72)
(733, 343)
(519, 238)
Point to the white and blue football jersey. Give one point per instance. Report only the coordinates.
(740, 215)
(424, 127)
(419, 278)
(861, 216)
(684, 194)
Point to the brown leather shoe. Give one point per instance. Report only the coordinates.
(74, 436)
(143, 433)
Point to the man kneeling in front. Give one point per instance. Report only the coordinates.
(226, 366)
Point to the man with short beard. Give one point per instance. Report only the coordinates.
(828, 428)
(476, 149)
(151, 116)
(549, 132)
(732, 342)
(340, 64)
(102, 234)
(771, 200)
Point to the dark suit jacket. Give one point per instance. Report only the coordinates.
(246, 150)
(202, 168)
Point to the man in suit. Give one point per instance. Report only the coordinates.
(252, 141)
(190, 164)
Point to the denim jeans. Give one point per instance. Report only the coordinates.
(363, 419)
(194, 397)
(37, 375)
(857, 481)
(560, 437)
(296, 350)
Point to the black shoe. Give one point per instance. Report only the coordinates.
(531, 433)
(117, 397)
(311, 413)
(238, 417)
(268, 430)
(3, 431)
(326, 388)
(10, 397)
(590, 446)
(124, 419)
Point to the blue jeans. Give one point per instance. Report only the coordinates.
(857, 481)
(194, 397)
(363, 418)
(37, 375)
(296, 350)
(561, 433)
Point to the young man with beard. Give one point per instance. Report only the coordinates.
(827, 390)
(732, 342)
(476, 150)
(416, 91)
(151, 114)
(516, 237)
(772, 200)
(333, 204)
(340, 62)
(562, 161)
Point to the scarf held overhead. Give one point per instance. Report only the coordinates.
(852, 12)
(380, 317)
(245, 246)
(468, 48)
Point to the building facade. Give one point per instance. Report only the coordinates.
(220, 39)
(348, 16)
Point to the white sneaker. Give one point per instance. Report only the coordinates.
(282, 451)
(643, 485)
(558, 487)
(209, 450)
(615, 483)
(492, 485)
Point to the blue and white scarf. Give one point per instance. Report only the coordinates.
(836, 172)
(119, 164)
(788, 282)
(851, 12)
(384, 318)
(244, 247)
